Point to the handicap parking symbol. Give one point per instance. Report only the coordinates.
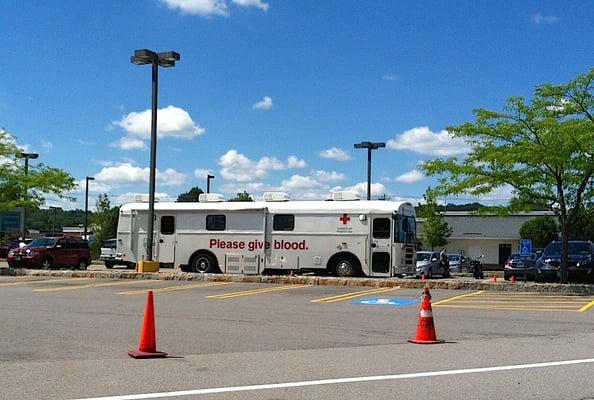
(398, 302)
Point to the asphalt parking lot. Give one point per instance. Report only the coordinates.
(73, 334)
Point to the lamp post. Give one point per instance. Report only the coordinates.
(54, 223)
(89, 178)
(369, 146)
(208, 178)
(26, 156)
(163, 59)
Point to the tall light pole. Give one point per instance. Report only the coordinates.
(89, 178)
(163, 59)
(54, 223)
(26, 156)
(369, 146)
(208, 178)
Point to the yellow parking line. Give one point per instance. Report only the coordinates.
(479, 300)
(457, 297)
(173, 288)
(95, 285)
(42, 281)
(255, 291)
(353, 295)
(510, 308)
(587, 306)
(541, 297)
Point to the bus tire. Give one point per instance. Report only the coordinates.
(204, 263)
(344, 265)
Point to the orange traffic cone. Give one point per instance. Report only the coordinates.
(494, 279)
(513, 279)
(148, 340)
(425, 327)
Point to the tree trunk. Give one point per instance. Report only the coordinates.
(564, 270)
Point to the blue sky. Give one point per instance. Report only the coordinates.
(272, 94)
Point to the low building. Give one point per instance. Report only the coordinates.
(495, 236)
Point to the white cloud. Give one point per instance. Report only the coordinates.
(252, 3)
(264, 104)
(335, 153)
(203, 8)
(129, 143)
(410, 177)
(298, 182)
(377, 189)
(128, 174)
(389, 77)
(202, 173)
(85, 142)
(538, 19)
(46, 145)
(325, 176)
(129, 197)
(422, 140)
(294, 162)
(237, 167)
(171, 122)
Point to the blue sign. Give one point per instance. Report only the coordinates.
(525, 247)
(386, 302)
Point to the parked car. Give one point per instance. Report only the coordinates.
(108, 254)
(580, 261)
(457, 262)
(50, 252)
(516, 266)
(12, 245)
(428, 264)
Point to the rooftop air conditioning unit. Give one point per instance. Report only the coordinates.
(276, 196)
(345, 195)
(143, 198)
(211, 198)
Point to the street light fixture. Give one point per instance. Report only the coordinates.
(54, 223)
(26, 156)
(163, 59)
(89, 178)
(369, 146)
(208, 178)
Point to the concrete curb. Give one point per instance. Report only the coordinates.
(583, 289)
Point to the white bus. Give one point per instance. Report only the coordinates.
(344, 237)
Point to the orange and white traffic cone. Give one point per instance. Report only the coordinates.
(148, 340)
(494, 279)
(513, 279)
(425, 327)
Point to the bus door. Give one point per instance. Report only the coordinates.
(166, 239)
(381, 246)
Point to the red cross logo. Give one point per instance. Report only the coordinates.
(344, 219)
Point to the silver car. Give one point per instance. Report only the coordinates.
(428, 264)
(457, 262)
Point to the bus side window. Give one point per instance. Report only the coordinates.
(215, 222)
(167, 225)
(283, 222)
(381, 228)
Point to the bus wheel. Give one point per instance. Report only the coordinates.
(204, 263)
(345, 266)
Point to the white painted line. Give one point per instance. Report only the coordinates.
(340, 380)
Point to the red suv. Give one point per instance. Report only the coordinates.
(51, 252)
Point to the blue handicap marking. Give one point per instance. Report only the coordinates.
(374, 301)
(525, 247)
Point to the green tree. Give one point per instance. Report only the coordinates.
(191, 195)
(104, 221)
(20, 190)
(436, 230)
(243, 196)
(541, 230)
(543, 149)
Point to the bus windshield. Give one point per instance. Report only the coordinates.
(405, 229)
